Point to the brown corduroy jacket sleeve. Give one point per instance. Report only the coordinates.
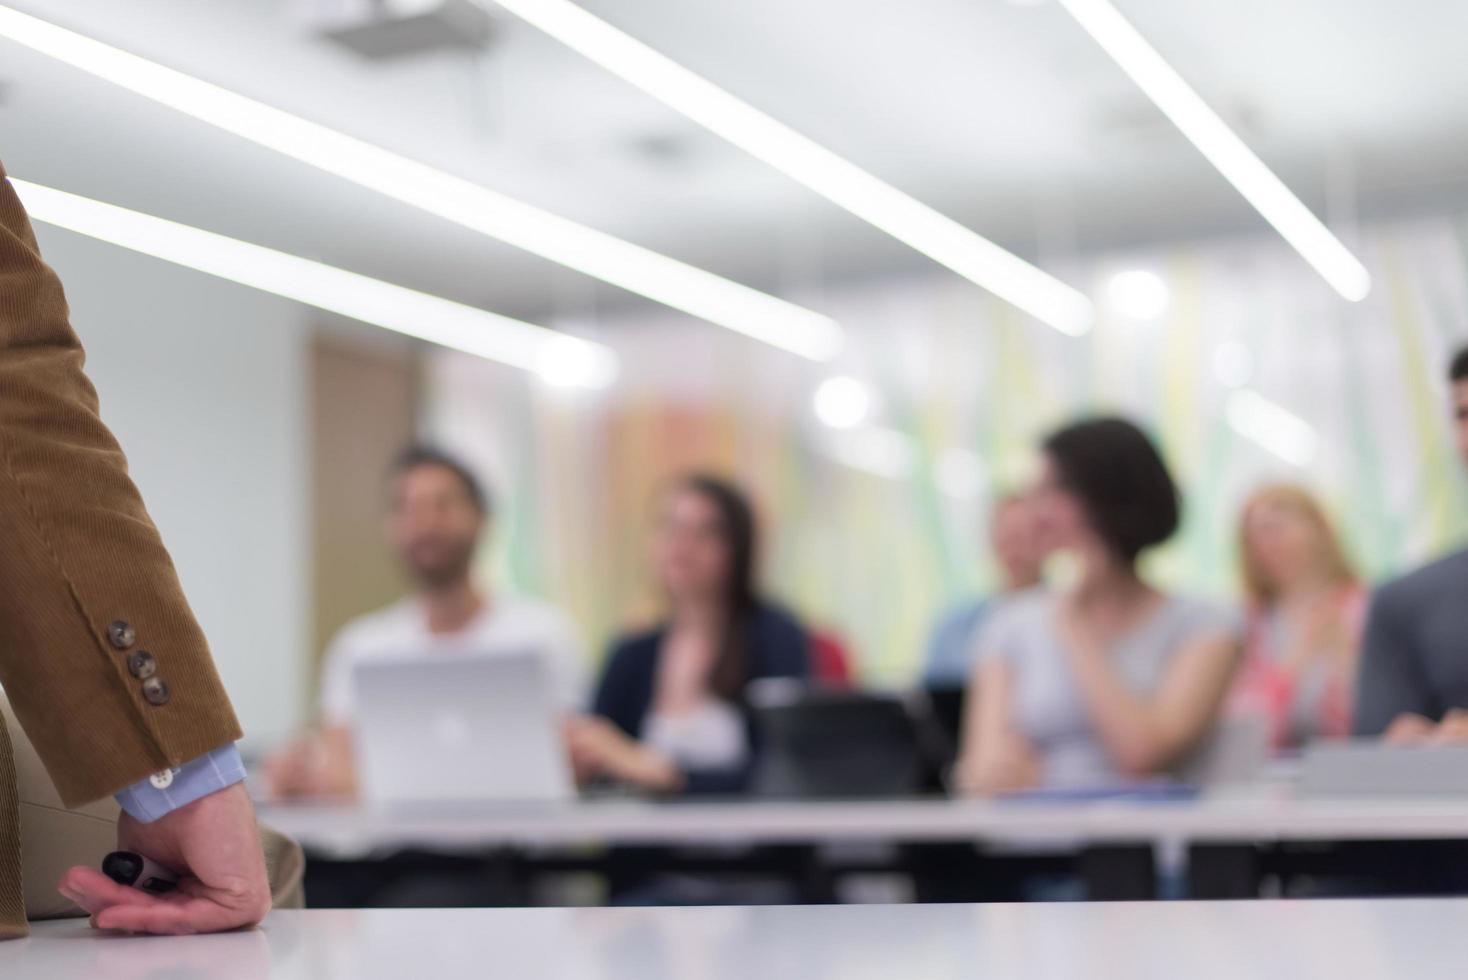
(86, 585)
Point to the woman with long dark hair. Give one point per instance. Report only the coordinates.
(669, 712)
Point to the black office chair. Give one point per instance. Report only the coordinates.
(835, 744)
(938, 712)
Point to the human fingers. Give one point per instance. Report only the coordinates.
(94, 891)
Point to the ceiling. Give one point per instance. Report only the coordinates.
(1005, 116)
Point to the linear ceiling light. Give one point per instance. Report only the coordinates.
(807, 162)
(880, 451)
(558, 358)
(1222, 147)
(602, 256)
(1272, 426)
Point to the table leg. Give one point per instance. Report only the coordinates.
(1224, 871)
(1119, 873)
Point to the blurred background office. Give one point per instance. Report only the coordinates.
(585, 276)
(260, 427)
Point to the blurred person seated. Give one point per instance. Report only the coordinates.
(438, 515)
(1014, 540)
(1306, 609)
(669, 711)
(1413, 683)
(1109, 680)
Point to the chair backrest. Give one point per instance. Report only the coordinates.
(825, 744)
(829, 661)
(939, 714)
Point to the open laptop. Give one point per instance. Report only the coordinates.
(461, 728)
(1368, 768)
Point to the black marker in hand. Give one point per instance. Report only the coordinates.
(128, 868)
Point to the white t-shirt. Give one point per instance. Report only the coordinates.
(712, 736)
(507, 625)
(1049, 708)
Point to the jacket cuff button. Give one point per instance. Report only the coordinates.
(121, 635)
(142, 665)
(155, 691)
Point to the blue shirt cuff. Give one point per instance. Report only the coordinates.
(163, 792)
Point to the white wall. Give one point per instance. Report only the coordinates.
(205, 384)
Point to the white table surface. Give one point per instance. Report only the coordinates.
(1338, 940)
(348, 831)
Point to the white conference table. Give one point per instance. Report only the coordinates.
(1338, 940)
(349, 831)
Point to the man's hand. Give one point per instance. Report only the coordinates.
(214, 845)
(1452, 730)
(1408, 729)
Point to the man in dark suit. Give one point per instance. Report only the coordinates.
(1413, 684)
(105, 667)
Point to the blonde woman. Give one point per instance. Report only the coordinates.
(1306, 612)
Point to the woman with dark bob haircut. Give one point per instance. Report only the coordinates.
(1108, 679)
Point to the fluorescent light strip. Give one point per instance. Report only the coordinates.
(559, 358)
(961, 473)
(1272, 426)
(1222, 147)
(873, 449)
(631, 267)
(805, 161)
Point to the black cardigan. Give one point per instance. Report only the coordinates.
(775, 646)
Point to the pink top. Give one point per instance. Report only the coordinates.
(1300, 705)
